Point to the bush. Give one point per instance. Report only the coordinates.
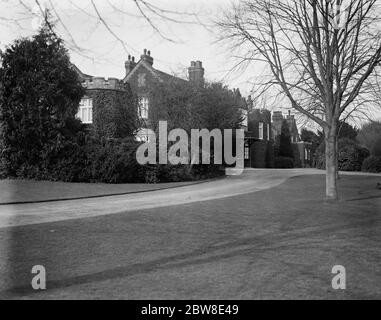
(351, 155)
(87, 159)
(372, 164)
(376, 149)
(319, 157)
(284, 163)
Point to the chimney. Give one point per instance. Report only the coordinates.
(130, 64)
(277, 116)
(196, 73)
(146, 56)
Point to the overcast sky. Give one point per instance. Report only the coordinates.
(104, 56)
(190, 36)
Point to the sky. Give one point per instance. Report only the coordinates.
(189, 38)
(187, 33)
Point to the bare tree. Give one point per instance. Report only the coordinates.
(323, 55)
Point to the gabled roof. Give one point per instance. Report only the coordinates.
(160, 75)
(82, 75)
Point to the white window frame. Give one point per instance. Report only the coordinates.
(247, 152)
(260, 133)
(143, 107)
(144, 135)
(268, 132)
(85, 111)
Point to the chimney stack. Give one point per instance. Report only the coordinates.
(196, 73)
(130, 64)
(146, 56)
(277, 116)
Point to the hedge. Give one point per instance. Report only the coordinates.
(89, 160)
(372, 164)
(284, 163)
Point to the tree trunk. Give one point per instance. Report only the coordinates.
(337, 158)
(331, 164)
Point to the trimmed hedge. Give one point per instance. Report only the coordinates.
(372, 164)
(284, 163)
(86, 159)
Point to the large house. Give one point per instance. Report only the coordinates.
(261, 128)
(140, 77)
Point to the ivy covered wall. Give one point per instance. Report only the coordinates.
(115, 112)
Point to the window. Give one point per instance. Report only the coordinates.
(143, 135)
(268, 132)
(142, 80)
(260, 131)
(85, 112)
(143, 107)
(247, 152)
(245, 121)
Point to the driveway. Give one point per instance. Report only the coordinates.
(265, 235)
(250, 181)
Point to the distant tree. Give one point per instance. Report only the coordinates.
(285, 147)
(188, 106)
(376, 150)
(219, 107)
(308, 135)
(313, 138)
(345, 130)
(370, 136)
(39, 99)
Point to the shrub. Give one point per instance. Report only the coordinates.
(376, 149)
(369, 135)
(285, 147)
(351, 155)
(372, 164)
(87, 159)
(284, 163)
(319, 157)
(151, 174)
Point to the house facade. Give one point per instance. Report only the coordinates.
(302, 150)
(259, 140)
(140, 77)
(262, 128)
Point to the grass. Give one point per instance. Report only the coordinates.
(16, 191)
(280, 243)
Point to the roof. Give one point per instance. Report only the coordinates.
(157, 73)
(82, 75)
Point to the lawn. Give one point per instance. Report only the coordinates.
(16, 191)
(279, 243)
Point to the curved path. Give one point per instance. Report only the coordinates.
(252, 180)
